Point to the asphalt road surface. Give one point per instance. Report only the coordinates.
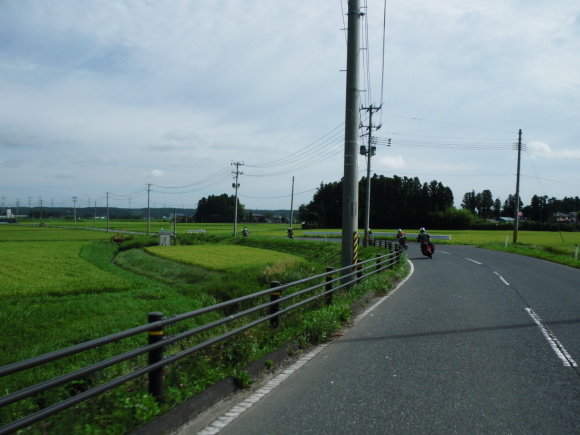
(474, 341)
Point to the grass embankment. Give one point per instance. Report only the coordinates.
(558, 247)
(546, 245)
(120, 288)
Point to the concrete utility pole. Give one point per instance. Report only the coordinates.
(236, 185)
(292, 204)
(517, 216)
(108, 212)
(352, 121)
(75, 210)
(148, 208)
(369, 152)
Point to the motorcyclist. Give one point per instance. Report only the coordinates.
(245, 232)
(402, 238)
(423, 236)
(290, 232)
(427, 248)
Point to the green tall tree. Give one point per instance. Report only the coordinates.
(218, 209)
(486, 204)
(469, 201)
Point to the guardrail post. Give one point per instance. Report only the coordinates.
(156, 355)
(328, 288)
(274, 296)
(378, 261)
(393, 258)
(358, 268)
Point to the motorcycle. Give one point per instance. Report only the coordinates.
(403, 242)
(290, 233)
(245, 232)
(427, 248)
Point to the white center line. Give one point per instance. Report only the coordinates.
(502, 278)
(554, 342)
(469, 259)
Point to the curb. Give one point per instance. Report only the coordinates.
(190, 409)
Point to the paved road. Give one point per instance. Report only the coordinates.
(474, 342)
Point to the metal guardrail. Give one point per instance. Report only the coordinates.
(335, 233)
(157, 340)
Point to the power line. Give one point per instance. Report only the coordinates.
(448, 123)
(305, 151)
(277, 197)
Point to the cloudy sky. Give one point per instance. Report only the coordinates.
(117, 97)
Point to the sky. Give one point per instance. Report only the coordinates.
(137, 100)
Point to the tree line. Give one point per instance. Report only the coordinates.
(402, 202)
(395, 202)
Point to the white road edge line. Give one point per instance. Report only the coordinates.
(560, 351)
(469, 259)
(502, 278)
(238, 409)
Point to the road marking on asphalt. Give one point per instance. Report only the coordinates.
(238, 409)
(246, 404)
(469, 259)
(384, 298)
(502, 278)
(558, 348)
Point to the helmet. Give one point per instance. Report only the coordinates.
(422, 230)
(400, 230)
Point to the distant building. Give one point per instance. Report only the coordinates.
(566, 218)
(259, 218)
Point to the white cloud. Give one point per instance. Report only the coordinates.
(391, 162)
(103, 92)
(155, 173)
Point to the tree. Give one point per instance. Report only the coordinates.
(538, 209)
(218, 209)
(497, 208)
(469, 201)
(509, 206)
(395, 202)
(325, 209)
(486, 204)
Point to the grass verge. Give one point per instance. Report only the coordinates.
(159, 284)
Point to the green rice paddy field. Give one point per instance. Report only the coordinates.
(61, 285)
(54, 229)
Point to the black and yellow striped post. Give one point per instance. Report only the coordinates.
(274, 296)
(156, 355)
(358, 268)
(355, 247)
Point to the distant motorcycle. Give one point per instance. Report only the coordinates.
(427, 248)
(403, 242)
(245, 232)
(290, 232)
